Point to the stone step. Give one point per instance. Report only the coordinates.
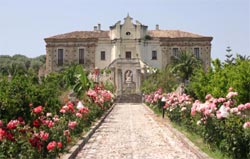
(129, 98)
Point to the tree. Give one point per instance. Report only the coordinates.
(184, 65)
(230, 59)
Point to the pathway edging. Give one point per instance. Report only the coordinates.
(79, 145)
(183, 138)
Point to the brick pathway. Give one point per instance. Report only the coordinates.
(131, 132)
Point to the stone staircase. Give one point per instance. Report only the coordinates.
(129, 98)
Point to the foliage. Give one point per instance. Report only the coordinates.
(161, 78)
(217, 81)
(46, 134)
(17, 94)
(82, 83)
(221, 122)
(184, 65)
(20, 64)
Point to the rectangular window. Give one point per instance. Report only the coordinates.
(103, 55)
(175, 51)
(81, 56)
(197, 52)
(128, 55)
(154, 55)
(60, 57)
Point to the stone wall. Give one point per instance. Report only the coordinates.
(70, 54)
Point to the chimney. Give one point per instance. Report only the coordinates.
(99, 26)
(95, 28)
(157, 27)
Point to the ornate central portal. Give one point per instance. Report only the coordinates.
(127, 75)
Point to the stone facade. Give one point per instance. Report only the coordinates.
(126, 47)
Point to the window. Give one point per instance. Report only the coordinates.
(60, 57)
(197, 52)
(128, 33)
(175, 51)
(103, 55)
(81, 56)
(128, 55)
(154, 55)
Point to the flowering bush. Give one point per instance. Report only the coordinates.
(47, 134)
(220, 121)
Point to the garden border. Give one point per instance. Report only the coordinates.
(181, 137)
(84, 139)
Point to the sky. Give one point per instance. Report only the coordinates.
(25, 23)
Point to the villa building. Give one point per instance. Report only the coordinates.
(127, 49)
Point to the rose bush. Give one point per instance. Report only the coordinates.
(48, 133)
(220, 121)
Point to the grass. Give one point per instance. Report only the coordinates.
(198, 141)
(194, 138)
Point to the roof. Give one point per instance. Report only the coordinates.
(105, 34)
(172, 34)
(81, 35)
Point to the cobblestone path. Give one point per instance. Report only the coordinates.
(131, 132)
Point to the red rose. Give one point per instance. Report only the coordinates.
(59, 145)
(36, 123)
(51, 145)
(2, 134)
(12, 124)
(38, 109)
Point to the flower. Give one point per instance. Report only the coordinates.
(79, 105)
(223, 112)
(38, 109)
(79, 115)
(44, 135)
(84, 110)
(31, 105)
(36, 123)
(72, 124)
(12, 124)
(209, 96)
(1, 123)
(2, 134)
(50, 123)
(246, 125)
(51, 145)
(66, 132)
(48, 114)
(59, 145)
(56, 118)
(231, 94)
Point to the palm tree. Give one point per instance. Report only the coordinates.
(82, 83)
(184, 65)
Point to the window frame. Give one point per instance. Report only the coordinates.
(103, 55)
(154, 54)
(128, 55)
(60, 56)
(197, 52)
(175, 51)
(81, 55)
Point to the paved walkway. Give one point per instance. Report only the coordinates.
(131, 132)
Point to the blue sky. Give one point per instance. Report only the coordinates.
(24, 24)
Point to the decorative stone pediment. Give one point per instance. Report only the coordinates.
(128, 30)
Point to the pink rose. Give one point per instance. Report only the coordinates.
(51, 145)
(38, 109)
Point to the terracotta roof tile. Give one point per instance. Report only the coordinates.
(172, 34)
(105, 34)
(81, 35)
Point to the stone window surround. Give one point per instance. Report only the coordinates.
(154, 55)
(60, 61)
(175, 51)
(197, 52)
(81, 61)
(103, 55)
